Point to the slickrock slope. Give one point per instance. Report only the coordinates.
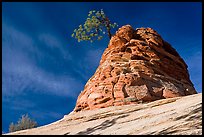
(138, 66)
(179, 115)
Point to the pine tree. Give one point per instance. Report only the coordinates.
(94, 27)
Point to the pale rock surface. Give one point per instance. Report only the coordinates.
(172, 116)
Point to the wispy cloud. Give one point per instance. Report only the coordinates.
(41, 115)
(93, 57)
(49, 40)
(20, 71)
(89, 63)
(53, 43)
(192, 55)
(19, 104)
(195, 69)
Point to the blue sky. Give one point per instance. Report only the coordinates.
(44, 69)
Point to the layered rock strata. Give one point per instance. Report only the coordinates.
(137, 67)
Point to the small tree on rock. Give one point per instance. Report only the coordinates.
(12, 127)
(94, 27)
(23, 123)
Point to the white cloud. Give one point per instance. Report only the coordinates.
(42, 115)
(20, 72)
(19, 104)
(24, 74)
(54, 43)
(89, 63)
(191, 52)
(49, 40)
(195, 69)
(93, 57)
(195, 61)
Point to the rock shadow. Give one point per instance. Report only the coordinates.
(102, 126)
(191, 116)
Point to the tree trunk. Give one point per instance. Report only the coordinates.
(108, 27)
(109, 33)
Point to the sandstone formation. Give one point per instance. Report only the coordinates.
(138, 66)
(172, 116)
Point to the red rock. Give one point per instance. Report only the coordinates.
(137, 66)
(142, 93)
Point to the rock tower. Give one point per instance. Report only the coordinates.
(138, 66)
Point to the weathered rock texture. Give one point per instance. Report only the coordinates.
(138, 66)
(179, 115)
